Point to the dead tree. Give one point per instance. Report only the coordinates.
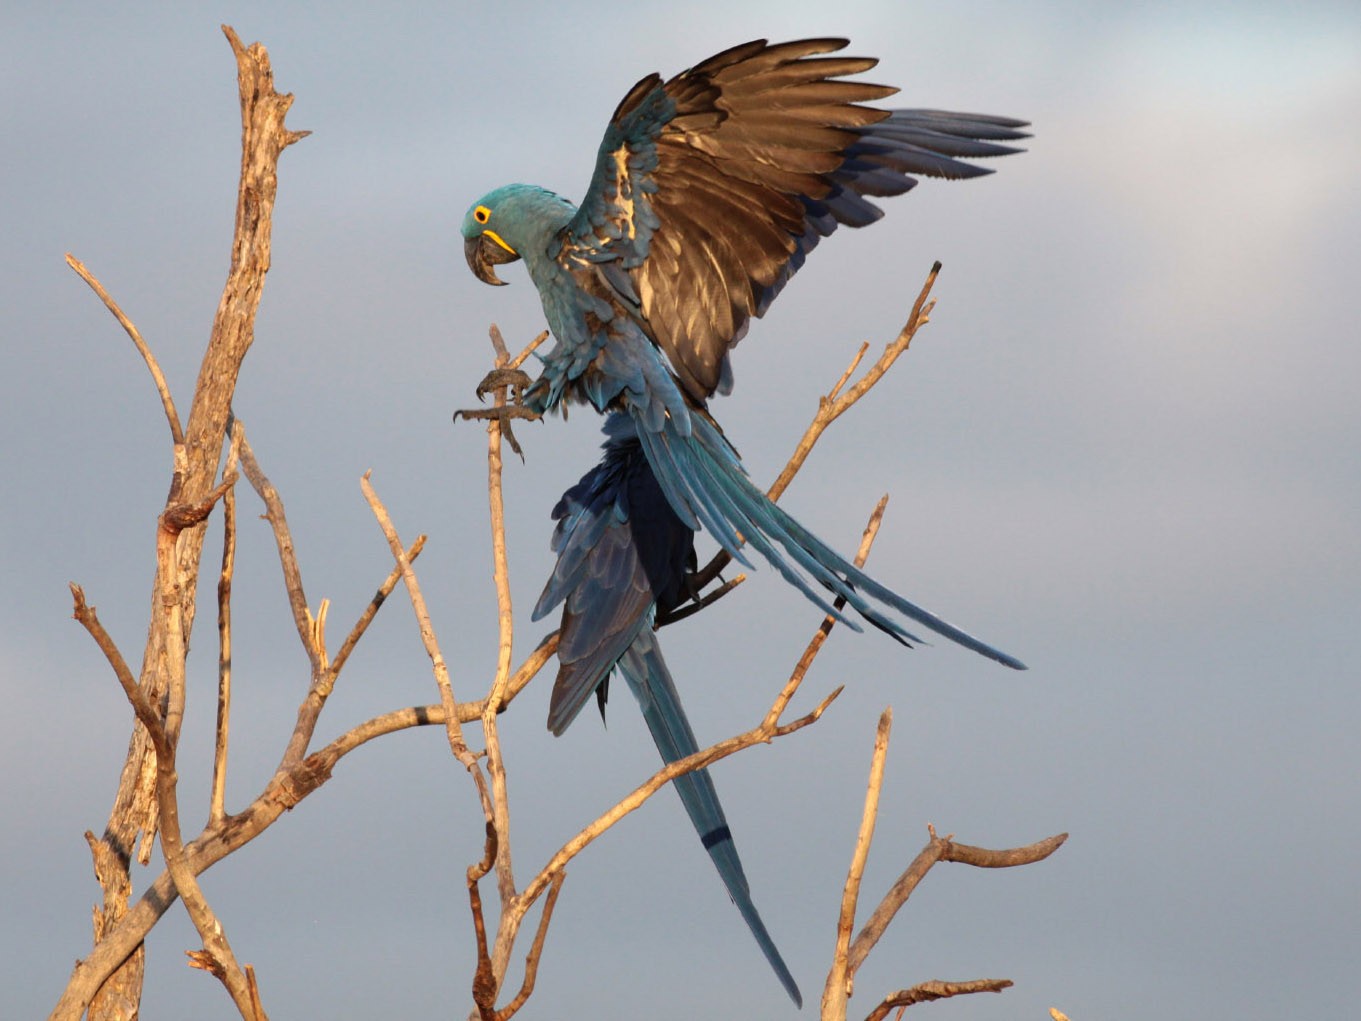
(107, 984)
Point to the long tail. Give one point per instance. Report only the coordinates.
(645, 670)
(706, 485)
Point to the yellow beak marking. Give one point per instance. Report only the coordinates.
(497, 238)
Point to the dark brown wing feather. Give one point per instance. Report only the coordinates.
(757, 128)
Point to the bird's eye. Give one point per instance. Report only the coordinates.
(481, 214)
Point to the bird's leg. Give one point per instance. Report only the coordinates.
(513, 380)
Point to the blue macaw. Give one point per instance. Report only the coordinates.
(709, 192)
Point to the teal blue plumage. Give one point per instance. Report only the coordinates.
(622, 555)
(709, 192)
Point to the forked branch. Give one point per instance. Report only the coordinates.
(849, 956)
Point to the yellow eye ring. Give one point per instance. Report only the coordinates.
(481, 214)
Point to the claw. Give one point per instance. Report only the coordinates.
(517, 380)
(502, 379)
(505, 414)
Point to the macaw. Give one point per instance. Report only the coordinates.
(709, 191)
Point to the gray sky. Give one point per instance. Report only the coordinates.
(1125, 450)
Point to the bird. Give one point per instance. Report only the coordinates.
(709, 191)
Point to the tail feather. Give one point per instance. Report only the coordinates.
(645, 670)
(703, 479)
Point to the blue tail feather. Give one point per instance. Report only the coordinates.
(707, 482)
(646, 673)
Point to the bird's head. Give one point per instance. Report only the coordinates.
(503, 224)
(483, 243)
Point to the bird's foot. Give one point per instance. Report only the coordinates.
(504, 414)
(502, 379)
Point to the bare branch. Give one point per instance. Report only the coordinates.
(216, 947)
(512, 913)
(217, 799)
(841, 978)
(983, 858)
(167, 402)
(824, 630)
(935, 990)
(529, 349)
(88, 619)
(762, 733)
(834, 404)
(501, 573)
(198, 451)
(689, 609)
(455, 732)
(362, 624)
(485, 981)
(288, 560)
(940, 849)
(535, 950)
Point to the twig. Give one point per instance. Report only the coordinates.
(824, 630)
(485, 981)
(499, 817)
(217, 799)
(840, 978)
(940, 849)
(762, 733)
(535, 951)
(162, 388)
(456, 742)
(362, 624)
(288, 560)
(935, 990)
(836, 403)
(528, 350)
(497, 508)
(705, 601)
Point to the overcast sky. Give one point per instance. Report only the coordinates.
(1125, 449)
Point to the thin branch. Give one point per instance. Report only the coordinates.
(824, 630)
(217, 798)
(366, 618)
(983, 858)
(836, 403)
(528, 350)
(497, 510)
(940, 849)
(88, 619)
(840, 978)
(162, 388)
(705, 601)
(288, 560)
(535, 951)
(935, 990)
(499, 817)
(762, 733)
(455, 732)
(485, 981)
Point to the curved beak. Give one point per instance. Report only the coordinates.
(483, 253)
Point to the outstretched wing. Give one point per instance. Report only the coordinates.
(710, 190)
